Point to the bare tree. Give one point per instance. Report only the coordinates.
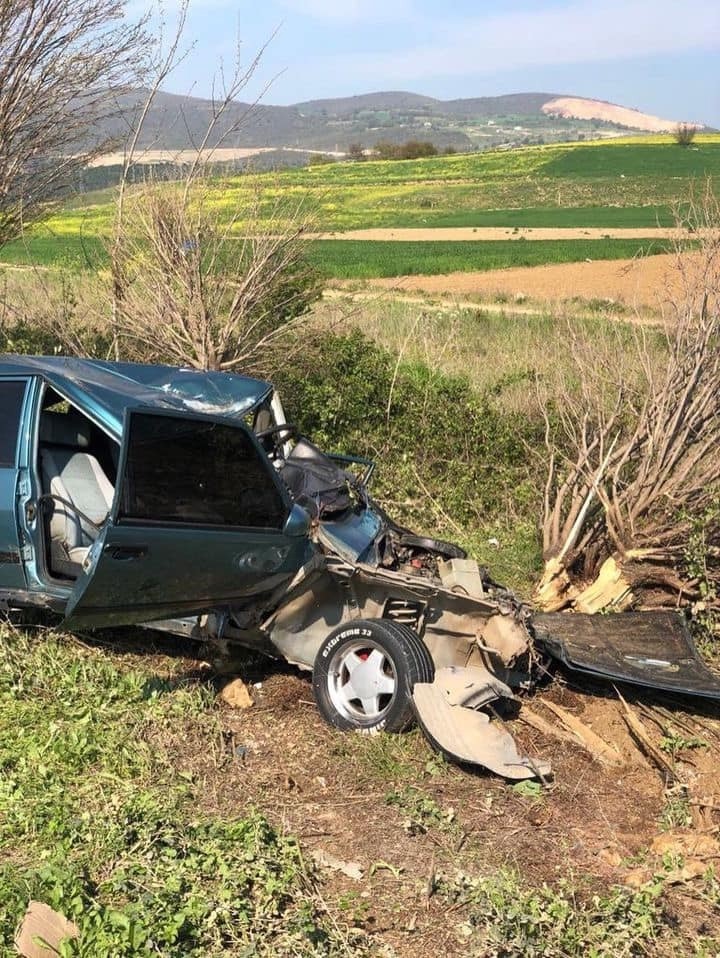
(63, 63)
(196, 284)
(637, 474)
(208, 289)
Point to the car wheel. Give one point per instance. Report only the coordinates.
(365, 672)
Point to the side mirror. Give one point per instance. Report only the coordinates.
(297, 523)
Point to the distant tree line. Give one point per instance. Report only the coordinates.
(387, 150)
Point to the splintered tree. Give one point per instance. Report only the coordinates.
(62, 66)
(631, 511)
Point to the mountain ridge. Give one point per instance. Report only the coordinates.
(178, 122)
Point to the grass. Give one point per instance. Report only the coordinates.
(44, 248)
(646, 160)
(364, 259)
(577, 217)
(110, 761)
(508, 918)
(98, 820)
(455, 190)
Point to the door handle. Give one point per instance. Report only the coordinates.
(126, 553)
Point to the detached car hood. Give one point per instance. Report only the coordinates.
(653, 650)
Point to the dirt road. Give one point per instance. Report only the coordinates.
(484, 233)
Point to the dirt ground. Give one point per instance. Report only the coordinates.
(484, 233)
(644, 282)
(221, 154)
(338, 794)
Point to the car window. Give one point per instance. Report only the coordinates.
(11, 401)
(199, 472)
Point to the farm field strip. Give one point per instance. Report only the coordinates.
(365, 259)
(487, 233)
(637, 284)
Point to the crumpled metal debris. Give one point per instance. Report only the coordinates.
(448, 711)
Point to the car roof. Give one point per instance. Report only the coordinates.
(106, 389)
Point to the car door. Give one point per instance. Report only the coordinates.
(12, 400)
(200, 521)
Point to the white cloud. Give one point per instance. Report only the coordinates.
(352, 11)
(583, 31)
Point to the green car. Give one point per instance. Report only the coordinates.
(184, 501)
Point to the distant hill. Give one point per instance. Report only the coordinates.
(345, 106)
(331, 125)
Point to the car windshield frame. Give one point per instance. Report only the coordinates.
(116, 516)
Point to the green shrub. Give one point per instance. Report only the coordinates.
(431, 433)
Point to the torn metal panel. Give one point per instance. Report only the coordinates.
(472, 687)
(468, 735)
(652, 649)
(506, 636)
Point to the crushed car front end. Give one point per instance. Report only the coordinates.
(393, 625)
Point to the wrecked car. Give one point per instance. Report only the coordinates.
(185, 502)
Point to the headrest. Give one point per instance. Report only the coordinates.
(65, 429)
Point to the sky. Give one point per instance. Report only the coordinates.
(659, 56)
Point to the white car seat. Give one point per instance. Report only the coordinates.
(74, 475)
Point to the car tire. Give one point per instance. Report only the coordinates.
(391, 657)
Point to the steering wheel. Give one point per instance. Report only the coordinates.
(286, 429)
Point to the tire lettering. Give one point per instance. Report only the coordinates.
(373, 729)
(362, 632)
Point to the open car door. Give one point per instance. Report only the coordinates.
(200, 520)
(12, 400)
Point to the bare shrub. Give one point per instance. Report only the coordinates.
(192, 284)
(684, 134)
(633, 455)
(207, 289)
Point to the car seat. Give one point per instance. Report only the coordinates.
(81, 492)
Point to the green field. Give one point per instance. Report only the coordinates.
(604, 184)
(364, 259)
(45, 249)
(353, 259)
(581, 217)
(629, 183)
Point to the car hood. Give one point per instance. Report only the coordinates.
(110, 388)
